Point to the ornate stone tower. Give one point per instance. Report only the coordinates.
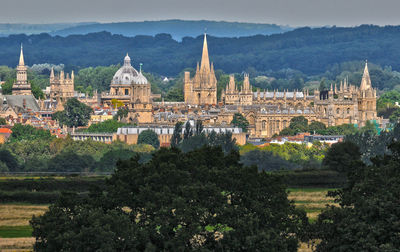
(21, 86)
(61, 86)
(366, 99)
(202, 89)
(246, 93)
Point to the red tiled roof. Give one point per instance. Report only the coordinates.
(5, 130)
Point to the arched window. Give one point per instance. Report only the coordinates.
(337, 111)
(348, 110)
(263, 125)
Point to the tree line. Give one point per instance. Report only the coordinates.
(309, 50)
(205, 199)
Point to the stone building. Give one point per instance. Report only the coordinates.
(268, 112)
(61, 85)
(21, 86)
(202, 89)
(132, 88)
(348, 103)
(232, 96)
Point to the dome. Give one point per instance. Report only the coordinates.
(127, 75)
(141, 79)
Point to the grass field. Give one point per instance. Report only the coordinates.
(19, 214)
(312, 200)
(16, 244)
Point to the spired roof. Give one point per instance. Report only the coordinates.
(366, 80)
(205, 61)
(127, 75)
(21, 58)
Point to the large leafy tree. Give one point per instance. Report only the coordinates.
(176, 136)
(149, 137)
(27, 132)
(110, 126)
(202, 200)
(340, 156)
(75, 114)
(240, 121)
(369, 213)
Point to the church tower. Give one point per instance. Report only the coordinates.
(21, 86)
(366, 99)
(202, 89)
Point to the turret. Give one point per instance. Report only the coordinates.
(246, 83)
(232, 86)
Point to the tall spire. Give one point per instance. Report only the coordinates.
(205, 61)
(21, 57)
(52, 74)
(366, 80)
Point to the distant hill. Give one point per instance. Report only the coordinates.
(8, 29)
(311, 51)
(177, 28)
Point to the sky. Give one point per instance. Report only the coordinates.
(284, 12)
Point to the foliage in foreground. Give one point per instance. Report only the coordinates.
(201, 200)
(369, 213)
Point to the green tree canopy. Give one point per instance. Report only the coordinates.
(149, 137)
(75, 114)
(341, 156)
(202, 200)
(110, 126)
(369, 210)
(27, 132)
(240, 121)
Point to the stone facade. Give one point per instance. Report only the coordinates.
(202, 88)
(61, 86)
(268, 112)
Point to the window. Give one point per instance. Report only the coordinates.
(126, 91)
(337, 111)
(348, 110)
(263, 125)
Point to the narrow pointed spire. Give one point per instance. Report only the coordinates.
(21, 57)
(72, 75)
(205, 61)
(52, 73)
(366, 80)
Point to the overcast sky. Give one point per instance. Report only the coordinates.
(284, 12)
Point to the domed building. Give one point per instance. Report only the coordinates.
(128, 86)
(133, 89)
